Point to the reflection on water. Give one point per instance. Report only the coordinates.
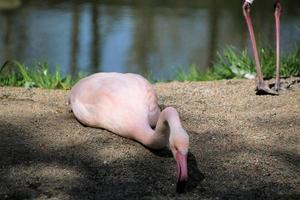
(144, 37)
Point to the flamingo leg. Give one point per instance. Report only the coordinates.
(278, 86)
(261, 86)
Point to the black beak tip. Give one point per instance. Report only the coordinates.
(180, 187)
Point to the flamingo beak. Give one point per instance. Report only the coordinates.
(182, 171)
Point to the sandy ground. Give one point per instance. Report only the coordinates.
(242, 146)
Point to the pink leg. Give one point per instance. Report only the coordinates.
(261, 86)
(277, 14)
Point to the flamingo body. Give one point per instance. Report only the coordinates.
(117, 102)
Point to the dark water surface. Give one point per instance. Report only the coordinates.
(141, 36)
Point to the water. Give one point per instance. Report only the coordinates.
(147, 37)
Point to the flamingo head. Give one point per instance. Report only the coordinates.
(179, 144)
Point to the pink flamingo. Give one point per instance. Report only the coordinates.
(126, 104)
(261, 86)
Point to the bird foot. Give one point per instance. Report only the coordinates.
(263, 89)
(279, 87)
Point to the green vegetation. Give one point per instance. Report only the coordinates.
(232, 64)
(13, 73)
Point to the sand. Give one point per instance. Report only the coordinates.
(242, 146)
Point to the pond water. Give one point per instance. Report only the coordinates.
(148, 37)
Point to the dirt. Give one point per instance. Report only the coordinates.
(242, 146)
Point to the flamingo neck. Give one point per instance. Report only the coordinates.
(168, 122)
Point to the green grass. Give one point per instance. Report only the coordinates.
(13, 73)
(231, 64)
